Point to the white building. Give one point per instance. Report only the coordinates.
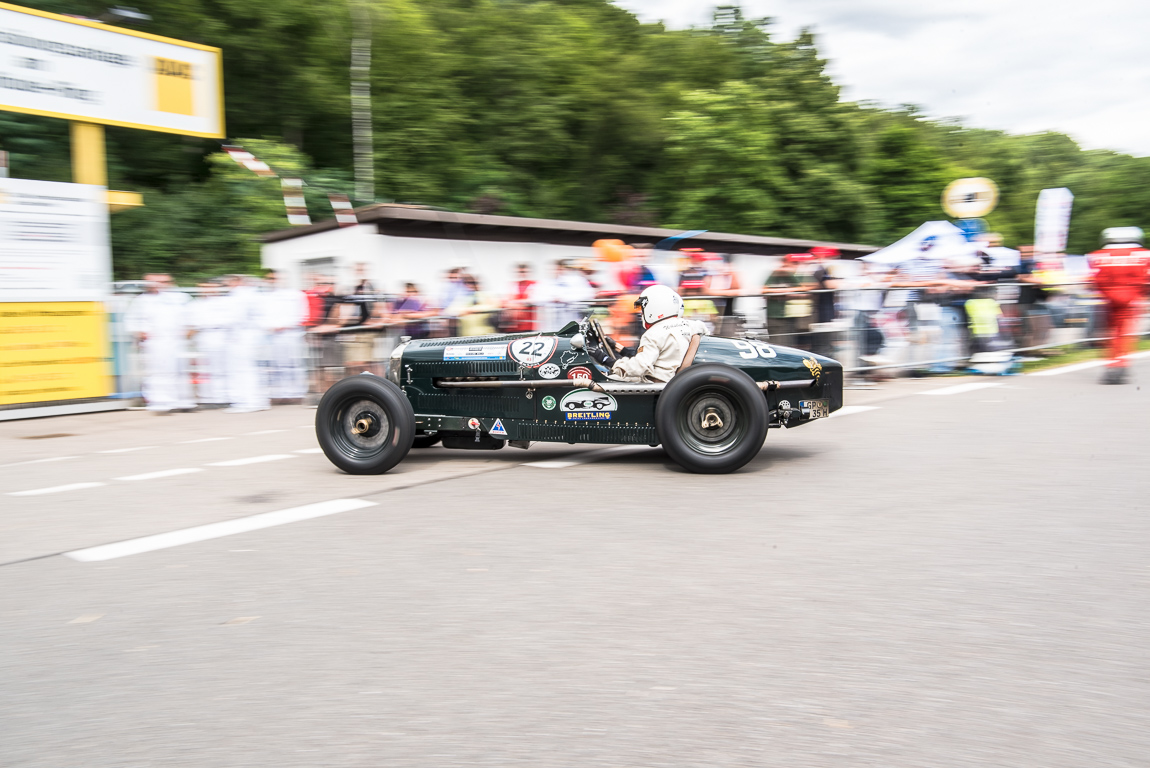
(402, 243)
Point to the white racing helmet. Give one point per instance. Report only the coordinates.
(658, 302)
(1122, 236)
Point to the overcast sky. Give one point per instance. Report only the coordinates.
(1081, 67)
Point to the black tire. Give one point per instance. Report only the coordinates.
(365, 425)
(426, 441)
(711, 390)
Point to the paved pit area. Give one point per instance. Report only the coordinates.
(953, 572)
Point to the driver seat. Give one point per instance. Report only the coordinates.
(692, 349)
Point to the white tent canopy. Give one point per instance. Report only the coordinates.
(938, 240)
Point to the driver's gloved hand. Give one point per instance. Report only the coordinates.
(621, 350)
(599, 355)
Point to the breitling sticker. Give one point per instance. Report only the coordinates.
(549, 371)
(548, 403)
(533, 351)
(498, 429)
(587, 400)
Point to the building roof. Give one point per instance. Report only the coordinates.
(415, 221)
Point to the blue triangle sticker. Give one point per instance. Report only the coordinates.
(498, 429)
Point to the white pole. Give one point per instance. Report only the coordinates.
(361, 101)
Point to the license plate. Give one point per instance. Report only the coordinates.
(815, 409)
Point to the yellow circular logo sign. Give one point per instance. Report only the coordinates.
(970, 198)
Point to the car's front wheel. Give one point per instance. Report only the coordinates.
(365, 425)
(711, 418)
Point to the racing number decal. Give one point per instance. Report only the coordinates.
(533, 351)
(753, 349)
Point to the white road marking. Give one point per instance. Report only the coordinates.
(309, 450)
(847, 410)
(216, 530)
(1070, 368)
(129, 450)
(251, 460)
(204, 440)
(266, 432)
(240, 620)
(960, 388)
(162, 473)
(38, 461)
(585, 457)
(86, 618)
(56, 489)
(1085, 366)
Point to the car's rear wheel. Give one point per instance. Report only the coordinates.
(365, 425)
(711, 418)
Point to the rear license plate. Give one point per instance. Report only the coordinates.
(815, 409)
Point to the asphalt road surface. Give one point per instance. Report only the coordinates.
(953, 572)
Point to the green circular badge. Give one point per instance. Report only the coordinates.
(549, 403)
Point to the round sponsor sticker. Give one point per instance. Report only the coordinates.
(549, 403)
(473, 423)
(579, 372)
(549, 371)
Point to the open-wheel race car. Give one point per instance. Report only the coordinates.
(484, 392)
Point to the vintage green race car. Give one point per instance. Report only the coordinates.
(484, 392)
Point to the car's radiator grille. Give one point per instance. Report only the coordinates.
(556, 433)
(474, 405)
(464, 368)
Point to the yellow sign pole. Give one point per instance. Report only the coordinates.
(88, 163)
(90, 166)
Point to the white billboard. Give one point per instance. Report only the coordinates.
(53, 242)
(83, 70)
(1052, 220)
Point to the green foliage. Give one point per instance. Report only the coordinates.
(553, 108)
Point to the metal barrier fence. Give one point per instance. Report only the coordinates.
(872, 330)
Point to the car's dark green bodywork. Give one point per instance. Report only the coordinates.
(450, 396)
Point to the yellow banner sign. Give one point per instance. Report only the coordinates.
(53, 351)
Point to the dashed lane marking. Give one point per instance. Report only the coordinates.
(265, 432)
(128, 450)
(309, 450)
(251, 460)
(162, 473)
(204, 440)
(38, 461)
(848, 410)
(56, 489)
(87, 618)
(960, 388)
(1085, 366)
(585, 457)
(216, 530)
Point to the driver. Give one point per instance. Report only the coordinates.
(664, 344)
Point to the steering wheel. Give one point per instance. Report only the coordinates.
(601, 339)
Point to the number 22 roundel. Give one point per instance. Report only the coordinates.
(533, 351)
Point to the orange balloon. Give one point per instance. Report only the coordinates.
(612, 250)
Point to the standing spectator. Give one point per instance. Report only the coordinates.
(413, 310)
(519, 315)
(286, 310)
(475, 309)
(788, 308)
(158, 320)
(363, 295)
(824, 297)
(246, 347)
(209, 321)
(925, 277)
(569, 296)
(320, 299)
(1033, 314)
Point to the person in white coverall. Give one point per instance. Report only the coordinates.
(663, 345)
(209, 320)
(158, 320)
(285, 310)
(247, 326)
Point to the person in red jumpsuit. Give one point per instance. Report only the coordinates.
(1121, 271)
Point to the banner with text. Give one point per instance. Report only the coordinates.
(83, 70)
(53, 351)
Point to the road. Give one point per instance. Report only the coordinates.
(953, 572)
